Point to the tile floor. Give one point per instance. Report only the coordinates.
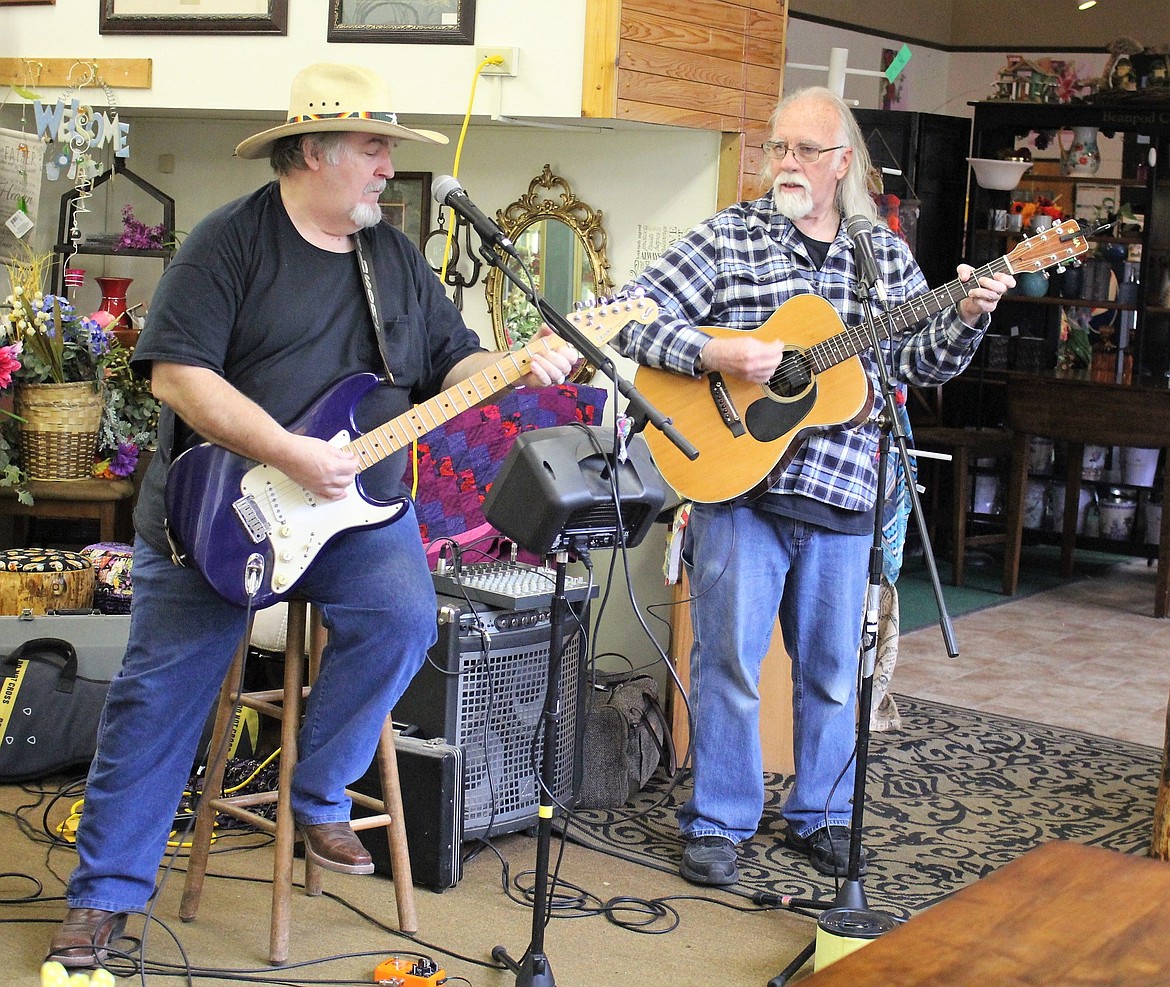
(1087, 655)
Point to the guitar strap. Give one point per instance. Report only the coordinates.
(371, 288)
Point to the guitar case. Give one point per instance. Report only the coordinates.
(48, 712)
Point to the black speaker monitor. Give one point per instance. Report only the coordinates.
(555, 489)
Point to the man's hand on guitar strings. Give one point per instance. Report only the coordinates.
(983, 299)
(748, 359)
(325, 470)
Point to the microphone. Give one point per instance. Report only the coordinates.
(869, 276)
(447, 191)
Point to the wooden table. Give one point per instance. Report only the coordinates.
(1062, 914)
(1081, 411)
(106, 501)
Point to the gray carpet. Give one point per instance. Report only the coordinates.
(952, 796)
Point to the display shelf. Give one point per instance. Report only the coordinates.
(68, 214)
(1142, 186)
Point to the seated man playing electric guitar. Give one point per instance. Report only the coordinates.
(799, 548)
(264, 309)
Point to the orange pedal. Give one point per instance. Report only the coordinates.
(399, 971)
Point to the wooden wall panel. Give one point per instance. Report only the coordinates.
(688, 63)
(681, 35)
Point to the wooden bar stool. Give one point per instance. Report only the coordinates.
(285, 705)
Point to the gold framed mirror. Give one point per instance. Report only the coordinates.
(562, 241)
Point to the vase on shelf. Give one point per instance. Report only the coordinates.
(1082, 158)
(114, 302)
(59, 429)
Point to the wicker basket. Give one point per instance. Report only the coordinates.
(58, 438)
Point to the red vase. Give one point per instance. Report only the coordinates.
(114, 300)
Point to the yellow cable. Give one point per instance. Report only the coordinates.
(493, 60)
(259, 767)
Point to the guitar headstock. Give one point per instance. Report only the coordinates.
(608, 316)
(1059, 244)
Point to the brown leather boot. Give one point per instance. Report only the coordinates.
(336, 847)
(81, 940)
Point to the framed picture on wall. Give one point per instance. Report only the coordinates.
(448, 22)
(406, 204)
(184, 17)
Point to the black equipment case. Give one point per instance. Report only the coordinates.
(431, 775)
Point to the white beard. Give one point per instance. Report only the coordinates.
(365, 214)
(795, 204)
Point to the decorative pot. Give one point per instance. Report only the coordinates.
(58, 438)
(114, 301)
(1083, 156)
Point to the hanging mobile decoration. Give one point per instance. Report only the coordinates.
(87, 134)
(435, 249)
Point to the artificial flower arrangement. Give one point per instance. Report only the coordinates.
(1042, 206)
(136, 235)
(43, 340)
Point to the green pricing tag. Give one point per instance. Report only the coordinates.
(899, 63)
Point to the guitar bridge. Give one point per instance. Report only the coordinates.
(253, 520)
(723, 403)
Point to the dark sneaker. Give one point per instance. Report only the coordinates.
(709, 860)
(827, 848)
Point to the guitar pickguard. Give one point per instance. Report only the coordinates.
(768, 419)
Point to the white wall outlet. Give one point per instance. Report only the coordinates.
(511, 57)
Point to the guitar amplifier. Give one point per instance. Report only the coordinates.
(430, 773)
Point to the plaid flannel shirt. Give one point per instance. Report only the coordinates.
(737, 269)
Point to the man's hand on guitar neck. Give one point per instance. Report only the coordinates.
(982, 300)
(748, 359)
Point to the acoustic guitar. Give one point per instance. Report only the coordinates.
(747, 433)
(252, 532)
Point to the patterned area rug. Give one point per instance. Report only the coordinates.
(952, 796)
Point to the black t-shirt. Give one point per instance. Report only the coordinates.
(282, 321)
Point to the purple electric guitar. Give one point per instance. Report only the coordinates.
(253, 532)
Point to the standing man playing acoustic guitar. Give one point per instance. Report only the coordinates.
(801, 549)
(262, 310)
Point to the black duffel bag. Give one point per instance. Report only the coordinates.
(48, 713)
(626, 737)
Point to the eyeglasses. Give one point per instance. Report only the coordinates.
(804, 153)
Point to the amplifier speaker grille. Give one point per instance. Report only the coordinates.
(486, 694)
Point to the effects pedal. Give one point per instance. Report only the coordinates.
(400, 971)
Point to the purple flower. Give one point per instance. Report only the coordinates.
(125, 459)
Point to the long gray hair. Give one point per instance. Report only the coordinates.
(853, 196)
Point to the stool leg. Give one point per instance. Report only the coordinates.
(316, 640)
(396, 830)
(212, 788)
(285, 825)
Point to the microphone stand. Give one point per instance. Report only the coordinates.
(851, 894)
(533, 968)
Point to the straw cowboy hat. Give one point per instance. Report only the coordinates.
(337, 97)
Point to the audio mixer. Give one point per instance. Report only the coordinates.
(507, 585)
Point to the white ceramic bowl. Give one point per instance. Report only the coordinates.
(995, 174)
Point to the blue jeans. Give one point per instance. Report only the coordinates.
(379, 606)
(747, 565)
